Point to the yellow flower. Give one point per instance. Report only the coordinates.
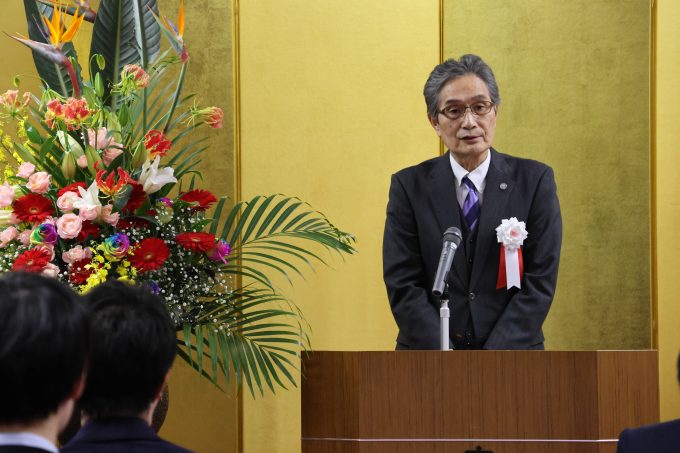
(59, 32)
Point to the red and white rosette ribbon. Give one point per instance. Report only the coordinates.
(511, 234)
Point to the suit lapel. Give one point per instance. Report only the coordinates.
(442, 190)
(493, 204)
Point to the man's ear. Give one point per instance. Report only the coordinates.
(435, 124)
(78, 387)
(159, 390)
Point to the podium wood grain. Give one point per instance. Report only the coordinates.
(503, 401)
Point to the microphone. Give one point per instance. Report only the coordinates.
(452, 238)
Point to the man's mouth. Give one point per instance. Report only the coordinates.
(471, 138)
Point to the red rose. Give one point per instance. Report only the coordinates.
(88, 229)
(71, 188)
(77, 273)
(137, 198)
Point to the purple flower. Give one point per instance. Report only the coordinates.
(46, 233)
(220, 251)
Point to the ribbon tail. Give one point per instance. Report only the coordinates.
(512, 268)
(501, 282)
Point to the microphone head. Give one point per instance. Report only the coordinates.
(453, 235)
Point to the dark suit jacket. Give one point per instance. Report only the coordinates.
(119, 435)
(422, 205)
(658, 438)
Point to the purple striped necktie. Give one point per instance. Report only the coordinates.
(471, 206)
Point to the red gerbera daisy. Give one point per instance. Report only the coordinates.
(33, 260)
(33, 208)
(88, 229)
(200, 199)
(137, 198)
(149, 254)
(71, 188)
(77, 273)
(196, 242)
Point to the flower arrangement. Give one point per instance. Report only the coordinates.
(100, 183)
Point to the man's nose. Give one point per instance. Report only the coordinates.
(469, 121)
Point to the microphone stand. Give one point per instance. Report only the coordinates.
(444, 314)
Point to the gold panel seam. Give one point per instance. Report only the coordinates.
(654, 287)
(236, 95)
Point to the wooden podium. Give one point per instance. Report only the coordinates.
(475, 401)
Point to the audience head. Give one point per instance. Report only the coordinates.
(133, 344)
(43, 349)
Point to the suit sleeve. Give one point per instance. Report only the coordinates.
(623, 445)
(404, 276)
(520, 323)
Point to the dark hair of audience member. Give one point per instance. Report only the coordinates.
(43, 346)
(133, 344)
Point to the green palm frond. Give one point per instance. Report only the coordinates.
(269, 234)
(251, 336)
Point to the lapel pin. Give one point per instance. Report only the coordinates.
(503, 186)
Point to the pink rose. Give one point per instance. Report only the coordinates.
(51, 270)
(8, 235)
(25, 237)
(39, 182)
(6, 195)
(89, 213)
(49, 248)
(13, 219)
(68, 226)
(109, 154)
(77, 253)
(25, 170)
(65, 202)
(103, 140)
(108, 216)
(82, 161)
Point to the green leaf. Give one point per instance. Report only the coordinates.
(124, 32)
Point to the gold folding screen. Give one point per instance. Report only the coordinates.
(575, 88)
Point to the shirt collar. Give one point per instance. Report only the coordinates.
(477, 176)
(27, 440)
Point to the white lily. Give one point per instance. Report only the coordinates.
(153, 179)
(89, 199)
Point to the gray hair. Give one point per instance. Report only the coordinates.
(452, 69)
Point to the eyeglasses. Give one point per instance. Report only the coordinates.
(455, 111)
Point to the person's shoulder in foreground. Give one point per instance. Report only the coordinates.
(133, 345)
(657, 438)
(43, 350)
(125, 434)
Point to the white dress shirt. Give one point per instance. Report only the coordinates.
(27, 440)
(477, 176)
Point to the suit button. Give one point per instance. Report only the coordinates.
(472, 296)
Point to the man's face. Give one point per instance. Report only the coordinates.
(469, 136)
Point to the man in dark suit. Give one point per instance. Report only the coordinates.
(474, 188)
(657, 438)
(133, 345)
(43, 349)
